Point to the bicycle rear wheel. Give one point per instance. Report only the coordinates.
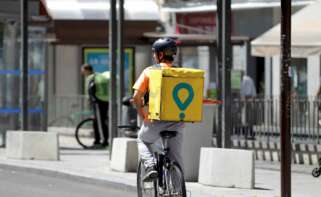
(175, 183)
(145, 189)
(84, 134)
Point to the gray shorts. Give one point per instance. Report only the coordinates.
(150, 132)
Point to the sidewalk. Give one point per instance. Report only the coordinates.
(93, 166)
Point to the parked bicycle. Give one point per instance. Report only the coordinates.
(69, 120)
(85, 134)
(316, 172)
(170, 181)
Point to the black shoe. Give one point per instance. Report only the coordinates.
(97, 146)
(105, 144)
(150, 174)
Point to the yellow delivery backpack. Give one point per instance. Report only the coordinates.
(176, 94)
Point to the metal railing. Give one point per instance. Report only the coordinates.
(68, 111)
(251, 119)
(259, 119)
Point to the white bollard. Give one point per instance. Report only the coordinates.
(227, 168)
(124, 156)
(36, 145)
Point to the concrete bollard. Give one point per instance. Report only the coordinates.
(36, 145)
(124, 155)
(227, 168)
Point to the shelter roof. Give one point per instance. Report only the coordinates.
(306, 35)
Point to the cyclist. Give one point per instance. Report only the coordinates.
(96, 85)
(164, 51)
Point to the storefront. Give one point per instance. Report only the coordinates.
(306, 51)
(249, 19)
(79, 33)
(80, 29)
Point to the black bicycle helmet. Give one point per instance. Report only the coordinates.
(165, 45)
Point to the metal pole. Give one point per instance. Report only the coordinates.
(46, 93)
(121, 57)
(285, 98)
(113, 72)
(226, 65)
(24, 63)
(219, 70)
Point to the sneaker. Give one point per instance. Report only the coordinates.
(150, 174)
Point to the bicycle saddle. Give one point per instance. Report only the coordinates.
(168, 134)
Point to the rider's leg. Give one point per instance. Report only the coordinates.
(104, 118)
(146, 136)
(144, 141)
(150, 133)
(96, 131)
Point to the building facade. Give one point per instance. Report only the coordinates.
(249, 19)
(305, 62)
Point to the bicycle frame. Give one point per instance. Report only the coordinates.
(164, 185)
(162, 160)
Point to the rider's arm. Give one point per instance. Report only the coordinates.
(138, 102)
(92, 91)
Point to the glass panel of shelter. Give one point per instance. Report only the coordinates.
(10, 76)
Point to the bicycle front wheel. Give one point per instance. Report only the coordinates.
(145, 189)
(84, 134)
(175, 183)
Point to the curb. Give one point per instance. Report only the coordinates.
(70, 176)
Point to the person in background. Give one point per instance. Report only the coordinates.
(97, 88)
(247, 89)
(247, 93)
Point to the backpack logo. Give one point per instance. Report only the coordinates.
(182, 105)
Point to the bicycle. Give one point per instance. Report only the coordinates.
(84, 133)
(170, 181)
(68, 120)
(316, 172)
(65, 124)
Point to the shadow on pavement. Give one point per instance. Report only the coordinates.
(260, 188)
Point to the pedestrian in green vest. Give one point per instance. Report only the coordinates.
(97, 88)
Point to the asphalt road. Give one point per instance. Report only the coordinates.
(30, 184)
